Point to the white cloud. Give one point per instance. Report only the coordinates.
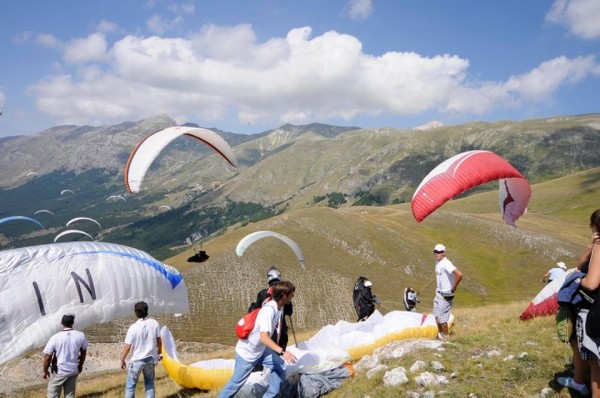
(91, 48)
(157, 24)
(297, 78)
(180, 9)
(48, 40)
(23, 37)
(359, 9)
(105, 26)
(542, 82)
(581, 17)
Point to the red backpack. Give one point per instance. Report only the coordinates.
(245, 325)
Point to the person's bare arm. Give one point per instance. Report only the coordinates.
(126, 349)
(592, 279)
(457, 278)
(265, 338)
(46, 372)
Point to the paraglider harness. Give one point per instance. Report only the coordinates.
(199, 257)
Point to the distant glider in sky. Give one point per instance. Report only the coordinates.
(72, 231)
(468, 170)
(114, 198)
(76, 219)
(44, 211)
(249, 239)
(23, 218)
(149, 148)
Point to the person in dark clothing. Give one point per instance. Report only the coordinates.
(280, 336)
(366, 302)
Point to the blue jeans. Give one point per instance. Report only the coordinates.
(145, 366)
(243, 368)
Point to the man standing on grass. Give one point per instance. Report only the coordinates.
(448, 277)
(69, 348)
(143, 340)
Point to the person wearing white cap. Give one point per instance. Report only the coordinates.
(555, 272)
(447, 277)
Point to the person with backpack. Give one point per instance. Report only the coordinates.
(259, 348)
(363, 298)
(280, 336)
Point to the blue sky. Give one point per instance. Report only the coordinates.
(249, 66)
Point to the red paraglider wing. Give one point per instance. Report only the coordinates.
(468, 170)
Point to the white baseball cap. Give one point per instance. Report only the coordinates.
(439, 248)
(561, 265)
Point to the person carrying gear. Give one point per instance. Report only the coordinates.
(280, 335)
(365, 303)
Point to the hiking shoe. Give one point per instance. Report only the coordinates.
(569, 383)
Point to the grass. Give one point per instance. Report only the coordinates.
(477, 353)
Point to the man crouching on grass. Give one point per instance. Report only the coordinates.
(259, 348)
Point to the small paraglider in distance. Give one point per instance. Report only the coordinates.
(249, 239)
(467, 170)
(76, 219)
(164, 207)
(23, 218)
(148, 149)
(114, 198)
(72, 231)
(65, 191)
(44, 211)
(32, 175)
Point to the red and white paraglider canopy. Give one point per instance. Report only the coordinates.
(468, 170)
(148, 149)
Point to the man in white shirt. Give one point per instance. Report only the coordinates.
(69, 346)
(259, 348)
(556, 272)
(144, 342)
(448, 277)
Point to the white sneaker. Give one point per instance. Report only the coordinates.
(570, 383)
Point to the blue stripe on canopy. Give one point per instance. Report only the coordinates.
(174, 279)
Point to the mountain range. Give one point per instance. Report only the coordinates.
(342, 193)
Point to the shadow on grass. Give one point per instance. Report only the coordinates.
(187, 392)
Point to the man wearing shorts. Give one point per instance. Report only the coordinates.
(447, 277)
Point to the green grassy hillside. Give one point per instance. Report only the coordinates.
(501, 264)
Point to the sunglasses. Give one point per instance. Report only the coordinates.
(437, 252)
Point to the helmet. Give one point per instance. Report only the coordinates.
(273, 275)
(368, 284)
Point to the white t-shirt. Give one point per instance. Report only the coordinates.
(67, 344)
(142, 337)
(444, 274)
(555, 273)
(251, 349)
